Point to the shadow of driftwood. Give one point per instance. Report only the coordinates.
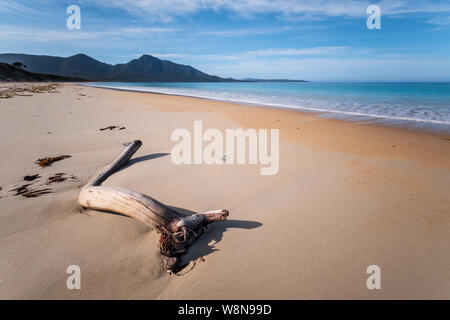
(206, 244)
(143, 158)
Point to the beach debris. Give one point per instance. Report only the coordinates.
(21, 189)
(113, 128)
(448, 139)
(6, 94)
(26, 192)
(26, 90)
(32, 177)
(108, 128)
(177, 230)
(59, 177)
(45, 162)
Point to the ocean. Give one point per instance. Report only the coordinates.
(425, 105)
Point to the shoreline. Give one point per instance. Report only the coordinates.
(347, 196)
(433, 126)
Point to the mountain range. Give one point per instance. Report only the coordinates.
(146, 68)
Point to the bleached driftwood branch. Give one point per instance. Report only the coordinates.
(177, 231)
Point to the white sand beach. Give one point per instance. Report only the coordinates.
(347, 195)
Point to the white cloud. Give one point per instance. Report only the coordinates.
(169, 55)
(13, 33)
(334, 69)
(256, 53)
(294, 52)
(241, 32)
(310, 9)
(9, 6)
(216, 57)
(166, 10)
(147, 30)
(440, 21)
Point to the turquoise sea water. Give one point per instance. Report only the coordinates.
(417, 104)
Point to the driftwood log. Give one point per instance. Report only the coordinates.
(177, 231)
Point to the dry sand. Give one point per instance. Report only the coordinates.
(347, 196)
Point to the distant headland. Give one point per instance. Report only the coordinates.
(147, 68)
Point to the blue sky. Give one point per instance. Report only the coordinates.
(316, 40)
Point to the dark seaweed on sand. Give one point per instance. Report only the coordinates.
(59, 177)
(26, 192)
(32, 177)
(112, 128)
(45, 162)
